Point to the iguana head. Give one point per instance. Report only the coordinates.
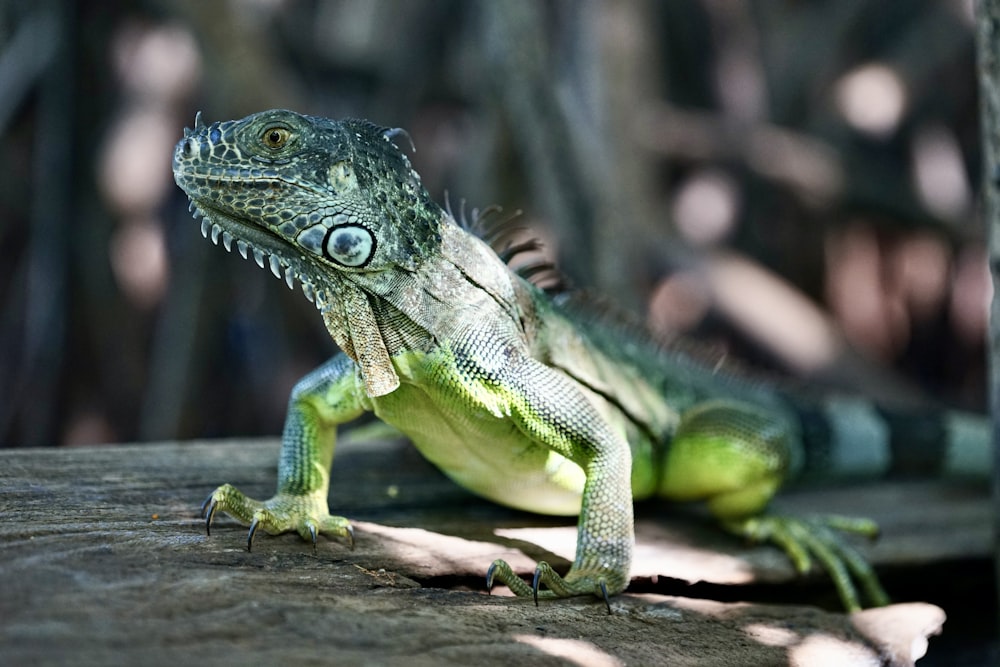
(312, 197)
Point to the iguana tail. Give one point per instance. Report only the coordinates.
(847, 437)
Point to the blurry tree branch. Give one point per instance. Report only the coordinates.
(25, 58)
(515, 43)
(38, 367)
(819, 174)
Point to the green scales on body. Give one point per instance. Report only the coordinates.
(512, 394)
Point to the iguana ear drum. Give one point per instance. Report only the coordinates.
(349, 245)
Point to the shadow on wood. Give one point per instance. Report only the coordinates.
(104, 559)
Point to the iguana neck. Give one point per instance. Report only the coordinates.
(374, 316)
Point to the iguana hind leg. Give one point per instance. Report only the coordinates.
(319, 402)
(735, 457)
(806, 539)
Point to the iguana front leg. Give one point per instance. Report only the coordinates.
(550, 409)
(326, 397)
(735, 456)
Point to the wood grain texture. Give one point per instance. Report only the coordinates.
(103, 558)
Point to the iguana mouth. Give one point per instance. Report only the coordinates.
(268, 252)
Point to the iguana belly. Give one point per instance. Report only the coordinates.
(476, 445)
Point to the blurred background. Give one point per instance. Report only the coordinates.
(794, 183)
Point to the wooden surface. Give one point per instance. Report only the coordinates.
(103, 559)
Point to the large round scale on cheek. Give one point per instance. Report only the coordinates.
(349, 245)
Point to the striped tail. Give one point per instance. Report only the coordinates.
(848, 437)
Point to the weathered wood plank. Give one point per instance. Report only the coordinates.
(103, 558)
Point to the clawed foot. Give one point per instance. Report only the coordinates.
(576, 582)
(806, 539)
(307, 515)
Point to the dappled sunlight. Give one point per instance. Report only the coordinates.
(158, 68)
(660, 550)
(139, 262)
(896, 633)
(770, 635)
(879, 289)
(939, 173)
(157, 63)
(971, 293)
(823, 650)
(918, 271)
(872, 98)
(703, 607)
(559, 540)
(132, 180)
(679, 302)
(813, 648)
(771, 311)
(663, 550)
(428, 553)
(705, 207)
(905, 627)
(574, 651)
(856, 294)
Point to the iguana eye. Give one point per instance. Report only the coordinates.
(275, 137)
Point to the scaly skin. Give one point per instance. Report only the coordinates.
(512, 396)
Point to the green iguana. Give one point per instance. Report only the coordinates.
(512, 394)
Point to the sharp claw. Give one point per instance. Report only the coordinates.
(604, 592)
(313, 534)
(253, 531)
(489, 577)
(350, 536)
(208, 512)
(534, 584)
